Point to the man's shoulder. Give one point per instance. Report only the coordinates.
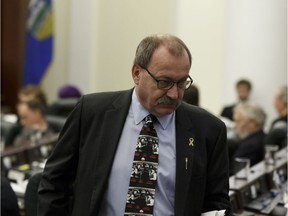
(101, 101)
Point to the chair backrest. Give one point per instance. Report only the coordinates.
(62, 107)
(277, 136)
(9, 131)
(55, 122)
(6, 127)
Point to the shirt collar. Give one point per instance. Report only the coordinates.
(139, 113)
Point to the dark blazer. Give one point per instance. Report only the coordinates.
(9, 205)
(82, 159)
(251, 147)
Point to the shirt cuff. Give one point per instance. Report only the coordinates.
(214, 213)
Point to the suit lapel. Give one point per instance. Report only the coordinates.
(113, 122)
(185, 144)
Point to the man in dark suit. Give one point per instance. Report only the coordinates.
(89, 171)
(277, 134)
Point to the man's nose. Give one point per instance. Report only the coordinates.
(173, 92)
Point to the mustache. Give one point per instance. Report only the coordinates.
(167, 101)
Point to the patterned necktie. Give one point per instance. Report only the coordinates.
(141, 192)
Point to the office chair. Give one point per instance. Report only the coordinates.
(55, 122)
(277, 136)
(9, 131)
(62, 107)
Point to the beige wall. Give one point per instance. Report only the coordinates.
(58, 72)
(202, 25)
(122, 24)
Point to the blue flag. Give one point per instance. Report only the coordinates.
(39, 41)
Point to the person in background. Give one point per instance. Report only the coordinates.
(33, 123)
(25, 94)
(32, 92)
(92, 162)
(243, 90)
(280, 104)
(249, 120)
(191, 95)
(277, 133)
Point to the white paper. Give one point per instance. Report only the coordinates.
(214, 213)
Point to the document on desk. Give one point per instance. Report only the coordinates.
(214, 213)
(19, 187)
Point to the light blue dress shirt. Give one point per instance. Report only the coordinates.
(116, 195)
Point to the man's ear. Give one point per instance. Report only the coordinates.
(135, 73)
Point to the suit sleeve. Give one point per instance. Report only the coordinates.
(217, 188)
(56, 185)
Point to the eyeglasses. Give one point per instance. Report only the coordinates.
(168, 84)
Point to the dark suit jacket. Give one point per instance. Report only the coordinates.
(83, 157)
(9, 205)
(30, 198)
(251, 147)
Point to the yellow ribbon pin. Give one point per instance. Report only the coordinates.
(191, 142)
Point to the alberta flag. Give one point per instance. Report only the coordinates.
(39, 41)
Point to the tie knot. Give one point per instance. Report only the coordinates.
(150, 119)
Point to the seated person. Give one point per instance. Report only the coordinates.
(32, 92)
(243, 90)
(25, 94)
(33, 124)
(277, 134)
(280, 104)
(249, 122)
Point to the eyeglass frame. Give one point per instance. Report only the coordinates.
(170, 81)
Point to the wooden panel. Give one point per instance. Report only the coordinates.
(13, 17)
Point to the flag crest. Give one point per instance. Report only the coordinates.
(39, 41)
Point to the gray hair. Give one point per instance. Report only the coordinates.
(252, 111)
(149, 44)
